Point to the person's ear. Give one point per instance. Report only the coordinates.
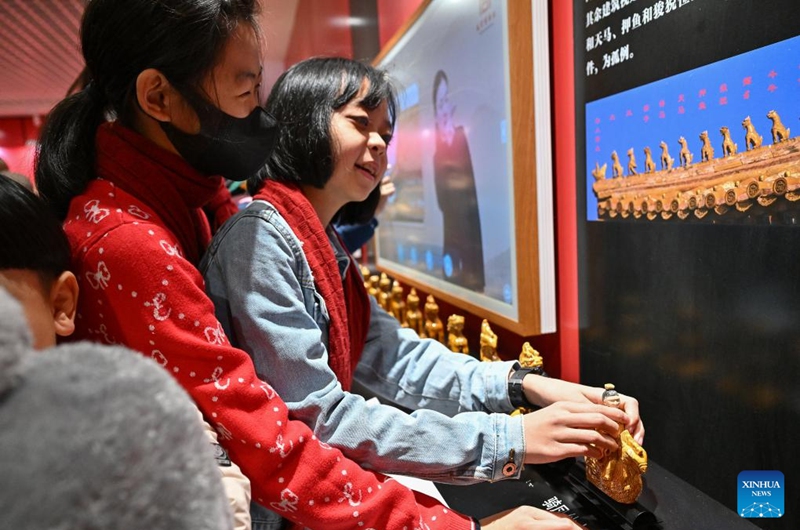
(155, 94)
(64, 301)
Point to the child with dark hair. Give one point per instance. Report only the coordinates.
(287, 292)
(34, 269)
(180, 81)
(35, 263)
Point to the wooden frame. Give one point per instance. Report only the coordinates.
(531, 309)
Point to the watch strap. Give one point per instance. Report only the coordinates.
(515, 393)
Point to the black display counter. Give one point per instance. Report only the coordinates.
(666, 503)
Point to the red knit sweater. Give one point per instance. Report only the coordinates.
(138, 289)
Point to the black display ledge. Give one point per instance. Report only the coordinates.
(666, 503)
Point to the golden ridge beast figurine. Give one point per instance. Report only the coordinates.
(649, 165)
(618, 474)
(373, 285)
(729, 148)
(666, 160)
(616, 167)
(779, 131)
(433, 324)
(631, 162)
(530, 358)
(488, 343)
(752, 139)
(413, 316)
(397, 307)
(707, 150)
(685, 156)
(384, 291)
(365, 275)
(456, 340)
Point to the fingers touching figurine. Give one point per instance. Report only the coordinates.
(618, 473)
(543, 391)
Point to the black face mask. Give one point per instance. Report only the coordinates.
(235, 148)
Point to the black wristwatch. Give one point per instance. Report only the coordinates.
(515, 393)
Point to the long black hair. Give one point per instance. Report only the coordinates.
(303, 100)
(31, 236)
(180, 38)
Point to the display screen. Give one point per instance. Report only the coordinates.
(451, 221)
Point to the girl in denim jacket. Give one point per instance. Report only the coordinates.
(287, 292)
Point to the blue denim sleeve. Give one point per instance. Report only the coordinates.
(414, 372)
(258, 278)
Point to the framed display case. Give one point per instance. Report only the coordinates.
(472, 219)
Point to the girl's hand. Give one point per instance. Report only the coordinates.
(528, 518)
(567, 429)
(544, 391)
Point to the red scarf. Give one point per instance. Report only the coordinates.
(166, 183)
(347, 300)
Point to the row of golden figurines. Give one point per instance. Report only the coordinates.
(741, 194)
(617, 474)
(389, 295)
(753, 140)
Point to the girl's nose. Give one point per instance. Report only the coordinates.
(377, 144)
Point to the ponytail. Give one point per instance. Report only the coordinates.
(65, 157)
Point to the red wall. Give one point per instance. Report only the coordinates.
(563, 83)
(392, 14)
(320, 28)
(17, 143)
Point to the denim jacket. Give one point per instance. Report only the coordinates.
(262, 287)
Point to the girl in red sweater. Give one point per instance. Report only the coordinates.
(133, 164)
